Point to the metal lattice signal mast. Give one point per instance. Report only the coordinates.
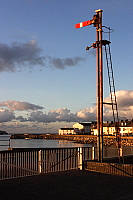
(97, 22)
(113, 95)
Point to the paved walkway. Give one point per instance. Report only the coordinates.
(68, 185)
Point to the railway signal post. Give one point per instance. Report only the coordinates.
(97, 22)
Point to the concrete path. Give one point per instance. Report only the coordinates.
(68, 185)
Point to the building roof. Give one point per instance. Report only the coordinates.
(122, 123)
(86, 123)
(66, 128)
(128, 123)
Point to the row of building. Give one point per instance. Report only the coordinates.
(90, 128)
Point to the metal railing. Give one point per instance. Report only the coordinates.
(109, 168)
(27, 162)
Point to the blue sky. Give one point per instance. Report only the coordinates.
(48, 79)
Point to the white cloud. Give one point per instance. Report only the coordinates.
(125, 104)
(63, 114)
(87, 114)
(6, 115)
(124, 98)
(19, 105)
(125, 107)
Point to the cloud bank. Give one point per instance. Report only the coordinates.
(29, 55)
(36, 114)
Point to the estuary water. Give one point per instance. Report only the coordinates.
(44, 143)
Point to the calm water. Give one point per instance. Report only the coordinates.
(42, 143)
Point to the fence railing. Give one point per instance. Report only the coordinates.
(27, 162)
(109, 168)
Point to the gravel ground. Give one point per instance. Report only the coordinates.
(68, 185)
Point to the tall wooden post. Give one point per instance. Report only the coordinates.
(99, 72)
(98, 88)
(97, 21)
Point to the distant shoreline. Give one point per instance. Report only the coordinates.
(82, 139)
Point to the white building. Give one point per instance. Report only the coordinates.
(66, 131)
(82, 128)
(126, 128)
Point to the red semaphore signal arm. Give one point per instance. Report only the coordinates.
(82, 24)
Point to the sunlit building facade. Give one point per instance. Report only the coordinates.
(126, 128)
(66, 131)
